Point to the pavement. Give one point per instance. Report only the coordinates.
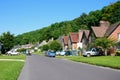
(45, 68)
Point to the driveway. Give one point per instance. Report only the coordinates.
(46, 68)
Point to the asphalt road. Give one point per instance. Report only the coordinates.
(45, 68)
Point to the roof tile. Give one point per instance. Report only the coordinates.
(66, 40)
(99, 31)
(112, 28)
(74, 37)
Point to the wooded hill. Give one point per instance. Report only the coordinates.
(85, 21)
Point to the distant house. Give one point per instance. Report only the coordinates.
(84, 39)
(81, 39)
(87, 34)
(60, 40)
(77, 40)
(73, 40)
(65, 43)
(43, 43)
(99, 31)
(50, 40)
(113, 32)
(106, 30)
(27, 46)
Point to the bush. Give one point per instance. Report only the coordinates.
(55, 45)
(45, 47)
(118, 53)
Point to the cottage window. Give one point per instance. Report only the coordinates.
(118, 36)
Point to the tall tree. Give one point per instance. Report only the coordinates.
(7, 40)
(55, 45)
(81, 20)
(85, 21)
(111, 12)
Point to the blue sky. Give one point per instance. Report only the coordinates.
(20, 16)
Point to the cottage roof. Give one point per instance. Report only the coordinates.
(66, 40)
(112, 28)
(99, 31)
(81, 34)
(87, 33)
(74, 37)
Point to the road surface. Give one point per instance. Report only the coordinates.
(46, 68)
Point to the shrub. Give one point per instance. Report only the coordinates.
(118, 52)
(55, 45)
(45, 47)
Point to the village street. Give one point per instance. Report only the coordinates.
(46, 68)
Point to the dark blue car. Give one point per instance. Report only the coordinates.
(50, 54)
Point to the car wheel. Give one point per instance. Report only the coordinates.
(88, 55)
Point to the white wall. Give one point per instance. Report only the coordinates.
(79, 44)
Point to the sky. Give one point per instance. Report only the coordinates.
(21, 16)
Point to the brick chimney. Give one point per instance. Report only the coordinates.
(104, 24)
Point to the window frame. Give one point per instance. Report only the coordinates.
(118, 36)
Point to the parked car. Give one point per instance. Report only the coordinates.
(62, 53)
(93, 52)
(50, 54)
(67, 53)
(13, 52)
(58, 53)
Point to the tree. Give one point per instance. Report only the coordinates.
(85, 21)
(93, 18)
(7, 41)
(67, 28)
(45, 47)
(111, 12)
(105, 43)
(118, 43)
(81, 20)
(55, 45)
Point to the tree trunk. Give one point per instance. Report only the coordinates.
(105, 52)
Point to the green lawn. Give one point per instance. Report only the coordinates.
(10, 70)
(106, 61)
(22, 56)
(38, 53)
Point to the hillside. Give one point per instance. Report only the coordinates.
(85, 21)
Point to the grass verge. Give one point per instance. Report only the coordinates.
(106, 61)
(38, 53)
(10, 70)
(22, 56)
